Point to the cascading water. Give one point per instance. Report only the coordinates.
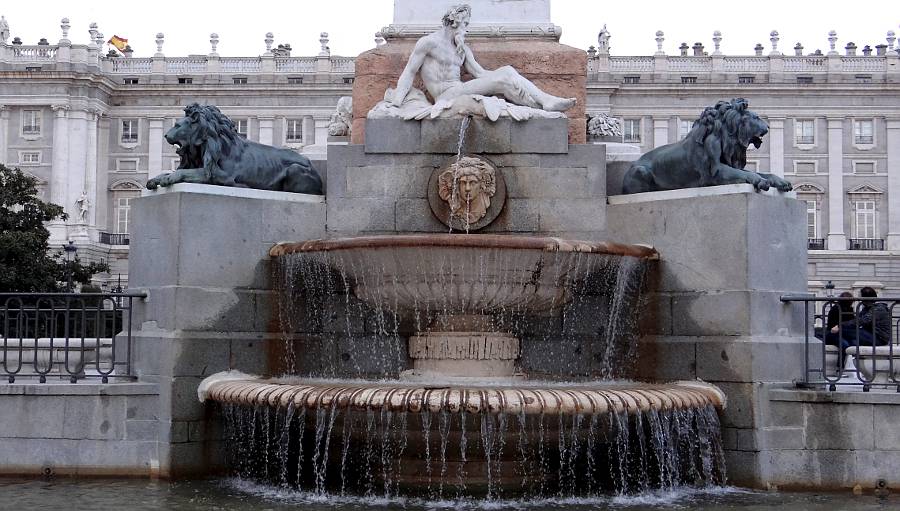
(452, 365)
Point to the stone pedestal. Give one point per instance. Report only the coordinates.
(201, 254)
(727, 254)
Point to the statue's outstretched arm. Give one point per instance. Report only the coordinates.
(472, 66)
(404, 84)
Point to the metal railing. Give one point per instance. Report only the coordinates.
(815, 243)
(114, 238)
(866, 244)
(855, 356)
(66, 335)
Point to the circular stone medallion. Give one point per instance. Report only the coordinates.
(467, 196)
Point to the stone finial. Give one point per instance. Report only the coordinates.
(603, 41)
(891, 37)
(758, 49)
(684, 49)
(832, 42)
(717, 42)
(160, 39)
(660, 39)
(323, 40)
(881, 50)
(773, 38)
(798, 50)
(270, 38)
(65, 26)
(98, 38)
(850, 49)
(592, 52)
(214, 43)
(379, 39)
(867, 50)
(92, 30)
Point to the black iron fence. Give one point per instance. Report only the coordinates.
(815, 243)
(114, 238)
(866, 244)
(858, 352)
(66, 335)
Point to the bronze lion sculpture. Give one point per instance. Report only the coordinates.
(212, 152)
(713, 153)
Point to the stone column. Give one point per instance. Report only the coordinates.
(155, 148)
(76, 169)
(59, 182)
(90, 171)
(266, 130)
(893, 163)
(836, 238)
(660, 131)
(4, 135)
(776, 146)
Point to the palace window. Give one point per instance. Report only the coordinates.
(688, 79)
(185, 80)
(864, 211)
(811, 217)
(804, 167)
(239, 81)
(240, 125)
(130, 81)
(294, 131)
(123, 214)
(30, 158)
(863, 78)
(348, 80)
(127, 165)
(632, 79)
(130, 131)
(295, 80)
(804, 80)
(684, 127)
(864, 131)
(804, 131)
(631, 129)
(864, 167)
(746, 80)
(31, 122)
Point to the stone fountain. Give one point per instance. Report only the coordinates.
(460, 320)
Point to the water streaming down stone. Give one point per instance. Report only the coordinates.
(349, 309)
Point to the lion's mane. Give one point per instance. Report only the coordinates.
(729, 123)
(213, 138)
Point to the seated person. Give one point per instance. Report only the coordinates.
(839, 312)
(871, 327)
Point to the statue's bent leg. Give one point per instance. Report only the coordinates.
(514, 87)
(524, 86)
(779, 183)
(179, 176)
(726, 175)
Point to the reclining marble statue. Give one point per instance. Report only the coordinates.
(213, 152)
(713, 153)
(438, 59)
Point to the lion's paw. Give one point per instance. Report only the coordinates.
(762, 185)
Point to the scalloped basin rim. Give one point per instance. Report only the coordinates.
(546, 244)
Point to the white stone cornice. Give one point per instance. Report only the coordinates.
(60, 109)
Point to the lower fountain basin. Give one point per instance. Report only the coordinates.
(433, 397)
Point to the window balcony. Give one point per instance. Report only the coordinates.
(866, 244)
(114, 238)
(815, 244)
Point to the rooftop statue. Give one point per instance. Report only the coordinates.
(713, 153)
(212, 152)
(438, 59)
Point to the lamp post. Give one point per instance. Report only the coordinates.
(70, 250)
(829, 289)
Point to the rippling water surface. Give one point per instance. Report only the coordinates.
(233, 494)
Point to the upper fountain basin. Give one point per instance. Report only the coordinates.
(463, 273)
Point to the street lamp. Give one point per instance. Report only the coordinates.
(70, 250)
(829, 289)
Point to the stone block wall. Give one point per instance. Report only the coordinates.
(201, 254)
(381, 187)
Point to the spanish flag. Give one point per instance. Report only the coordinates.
(119, 42)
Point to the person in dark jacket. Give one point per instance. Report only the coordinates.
(872, 326)
(838, 312)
